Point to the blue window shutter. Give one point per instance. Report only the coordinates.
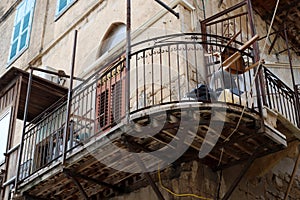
(21, 32)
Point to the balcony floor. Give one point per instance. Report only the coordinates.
(191, 125)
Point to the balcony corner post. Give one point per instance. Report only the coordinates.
(259, 82)
(24, 128)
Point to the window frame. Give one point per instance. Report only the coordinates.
(21, 30)
(59, 13)
(112, 39)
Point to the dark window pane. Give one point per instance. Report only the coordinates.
(17, 30)
(23, 40)
(26, 21)
(13, 51)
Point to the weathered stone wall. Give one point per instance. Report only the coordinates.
(267, 178)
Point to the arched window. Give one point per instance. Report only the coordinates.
(115, 34)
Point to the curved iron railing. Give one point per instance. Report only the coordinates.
(167, 69)
(281, 98)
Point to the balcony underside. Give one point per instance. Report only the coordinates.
(240, 138)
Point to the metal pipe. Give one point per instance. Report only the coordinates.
(24, 128)
(293, 76)
(143, 168)
(168, 8)
(222, 13)
(259, 90)
(242, 173)
(77, 183)
(69, 103)
(128, 52)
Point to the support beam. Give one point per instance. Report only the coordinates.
(277, 34)
(24, 129)
(168, 8)
(76, 182)
(101, 183)
(273, 42)
(242, 173)
(142, 166)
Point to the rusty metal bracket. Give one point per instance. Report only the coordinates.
(76, 182)
(168, 8)
(242, 173)
(142, 166)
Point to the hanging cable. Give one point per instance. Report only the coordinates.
(175, 194)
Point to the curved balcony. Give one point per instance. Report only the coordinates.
(183, 105)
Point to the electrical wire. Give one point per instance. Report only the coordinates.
(175, 194)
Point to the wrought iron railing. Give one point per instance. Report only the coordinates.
(163, 70)
(281, 97)
(178, 68)
(96, 105)
(42, 142)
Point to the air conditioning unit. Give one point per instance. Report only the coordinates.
(47, 76)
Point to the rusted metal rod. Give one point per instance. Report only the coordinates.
(168, 8)
(69, 103)
(259, 82)
(143, 168)
(24, 128)
(128, 52)
(241, 174)
(77, 183)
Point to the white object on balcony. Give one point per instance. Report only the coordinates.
(47, 76)
(228, 97)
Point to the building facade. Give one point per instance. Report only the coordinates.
(174, 99)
